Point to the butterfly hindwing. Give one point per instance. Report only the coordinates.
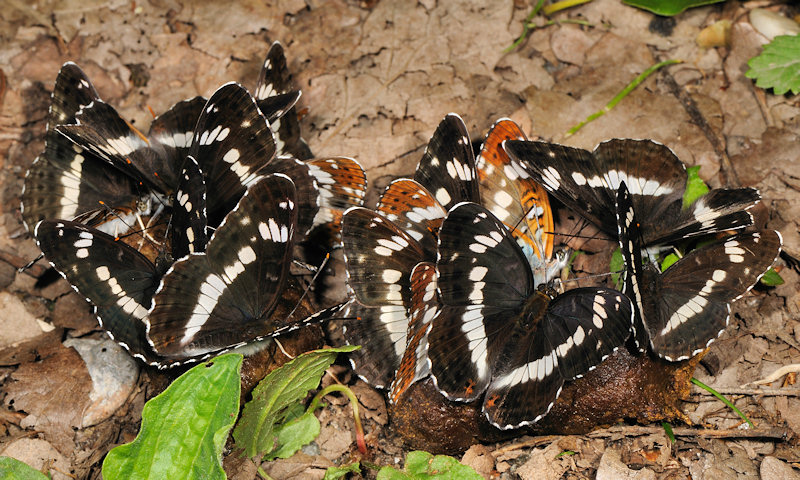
(112, 276)
(414, 210)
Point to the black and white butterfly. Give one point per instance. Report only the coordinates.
(500, 334)
(587, 183)
(682, 310)
(70, 181)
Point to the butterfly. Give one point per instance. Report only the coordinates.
(501, 333)
(587, 183)
(448, 173)
(71, 181)
(682, 310)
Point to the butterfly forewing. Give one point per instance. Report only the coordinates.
(71, 93)
(479, 262)
(379, 258)
(189, 212)
(342, 184)
(209, 302)
(520, 203)
(173, 129)
(630, 246)
(115, 278)
(447, 169)
(414, 210)
(102, 131)
(308, 193)
(232, 143)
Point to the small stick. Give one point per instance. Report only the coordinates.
(784, 370)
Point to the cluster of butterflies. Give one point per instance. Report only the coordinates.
(455, 274)
(183, 239)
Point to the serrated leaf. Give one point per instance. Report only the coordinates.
(283, 387)
(778, 66)
(616, 266)
(13, 469)
(335, 473)
(668, 8)
(293, 435)
(772, 278)
(695, 186)
(184, 428)
(423, 465)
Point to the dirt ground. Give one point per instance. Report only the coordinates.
(377, 77)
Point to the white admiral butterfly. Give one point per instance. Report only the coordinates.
(682, 310)
(587, 183)
(499, 333)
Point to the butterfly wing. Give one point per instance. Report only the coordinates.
(690, 306)
(414, 210)
(212, 301)
(447, 169)
(189, 220)
(115, 278)
(379, 258)
(72, 92)
(232, 143)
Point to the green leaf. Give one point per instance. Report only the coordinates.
(423, 465)
(335, 473)
(291, 436)
(184, 428)
(668, 431)
(695, 186)
(282, 388)
(772, 278)
(668, 8)
(616, 267)
(669, 260)
(566, 453)
(13, 469)
(778, 66)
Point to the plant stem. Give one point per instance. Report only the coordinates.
(723, 400)
(562, 5)
(362, 446)
(625, 91)
(525, 27)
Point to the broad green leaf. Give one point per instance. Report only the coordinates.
(778, 66)
(695, 186)
(423, 465)
(616, 267)
(772, 278)
(291, 436)
(283, 387)
(335, 473)
(669, 260)
(13, 469)
(184, 428)
(668, 8)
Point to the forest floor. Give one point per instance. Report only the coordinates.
(377, 77)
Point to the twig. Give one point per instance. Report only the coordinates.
(636, 430)
(625, 91)
(531, 442)
(784, 370)
(766, 392)
(526, 28)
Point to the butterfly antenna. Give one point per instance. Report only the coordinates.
(310, 284)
